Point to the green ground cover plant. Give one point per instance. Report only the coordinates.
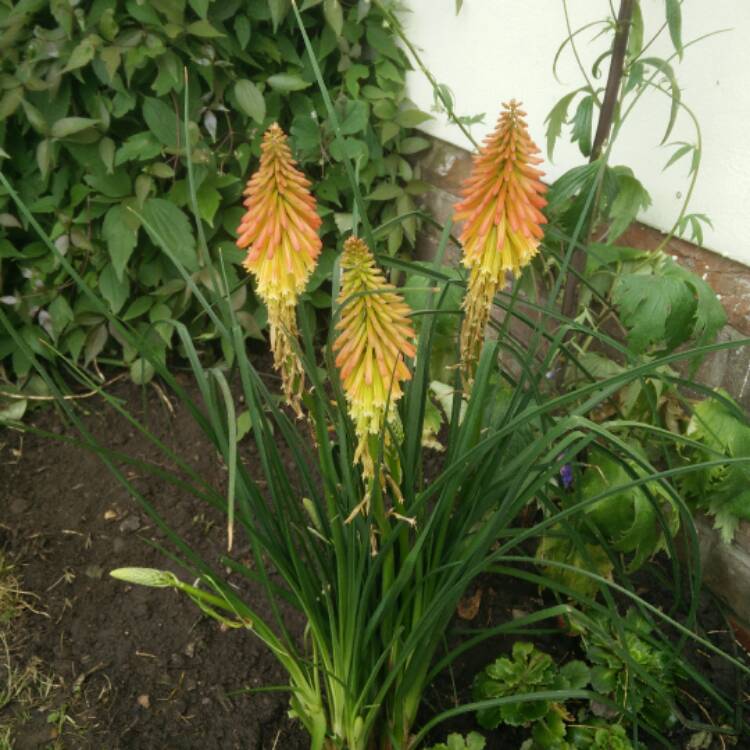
(91, 126)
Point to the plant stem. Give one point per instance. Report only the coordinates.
(603, 130)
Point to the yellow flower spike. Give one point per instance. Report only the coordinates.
(501, 208)
(280, 232)
(375, 335)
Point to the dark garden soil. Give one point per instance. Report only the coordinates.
(141, 668)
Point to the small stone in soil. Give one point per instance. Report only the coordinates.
(94, 571)
(131, 523)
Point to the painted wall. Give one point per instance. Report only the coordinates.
(495, 50)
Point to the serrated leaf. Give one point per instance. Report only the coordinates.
(121, 235)
(631, 198)
(162, 121)
(168, 223)
(287, 82)
(556, 118)
(654, 309)
(250, 100)
(334, 15)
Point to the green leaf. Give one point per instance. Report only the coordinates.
(674, 22)
(287, 82)
(582, 124)
(355, 117)
(162, 121)
(684, 148)
(654, 309)
(120, 232)
(556, 118)
(413, 145)
(200, 7)
(10, 101)
(204, 30)
(250, 100)
(61, 314)
(209, 200)
(635, 37)
(170, 224)
(631, 198)
(82, 54)
(279, 10)
(411, 118)
(242, 30)
(68, 126)
(666, 69)
(385, 191)
(334, 15)
(141, 371)
(114, 290)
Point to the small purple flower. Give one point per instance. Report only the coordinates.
(566, 475)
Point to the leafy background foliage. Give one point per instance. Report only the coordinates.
(91, 126)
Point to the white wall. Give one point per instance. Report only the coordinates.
(495, 50)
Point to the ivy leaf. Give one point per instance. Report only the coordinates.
(674, 22)
(167, 224)
(334, 15)
(121, 237)
(250, 100)
(654, 308)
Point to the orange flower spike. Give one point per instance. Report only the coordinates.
(280, 232)
(502, 214)
(375, 336)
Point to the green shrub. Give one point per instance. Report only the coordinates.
(91, 125)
